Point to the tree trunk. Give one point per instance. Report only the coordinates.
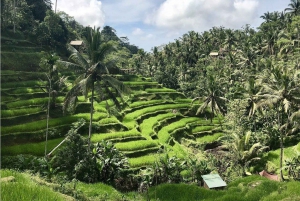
(48, 111)
(281, 156)
(212, 112)
(281, 145)
(91, 117)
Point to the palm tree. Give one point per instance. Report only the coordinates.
(251, 90)
(294, 7)
(230, 39)
(95, 75)
(280, 88)
(243, 152)
(267, 16)
(212, 98)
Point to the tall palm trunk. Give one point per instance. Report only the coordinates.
(91, 116)
(281, 156)
(281, 146)
(48, 110)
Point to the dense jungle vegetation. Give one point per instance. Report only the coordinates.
(109, 121)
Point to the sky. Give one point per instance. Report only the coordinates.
(150, 23)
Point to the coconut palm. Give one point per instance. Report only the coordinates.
(280, 89)
(95, 75)
(230, 39)
(294, 7)
(251, 90)
(212, 98)
(242, 150)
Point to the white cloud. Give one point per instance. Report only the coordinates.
(200, 15)
(149, 36)
(137, 31)
(86, 12)
(127, 11)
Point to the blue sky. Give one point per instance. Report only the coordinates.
(149, 23)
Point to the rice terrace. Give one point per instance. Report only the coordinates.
(87, 115)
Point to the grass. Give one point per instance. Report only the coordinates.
(148, 124)
(202, 128)
(23, 90)
(140, 83)
(138, 104)
(209, 138)
(289, 152)
(21, 61)
(18, 84)
(25, 189)
(253, 188)
(160, 90)
(37, 149)
(143, 160)
(99, 108)
(131, 117)
(98, 191)
(184, 100)
(109, 120)
(31, 102)
(19, 112)
(41, 124)
(136, 145)
(164, 135)
(115, 135)
(22, 76)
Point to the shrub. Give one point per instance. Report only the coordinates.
(110, 161)
(73, 159)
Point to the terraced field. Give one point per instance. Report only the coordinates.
(154, 119)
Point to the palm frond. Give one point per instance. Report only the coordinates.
(116, 84)
(86, 84)
(112, 96)
(68, 65)
(104, 49)
(202, 107)
(99, 91)
(195, 99)
(78, 59)
(79, 78)
(286, 105)
(71, 49)
(71, 98)
(295, 116)
(247, 138)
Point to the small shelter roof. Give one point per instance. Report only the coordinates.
(213, 54)
(213, 181)
(76, 42)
